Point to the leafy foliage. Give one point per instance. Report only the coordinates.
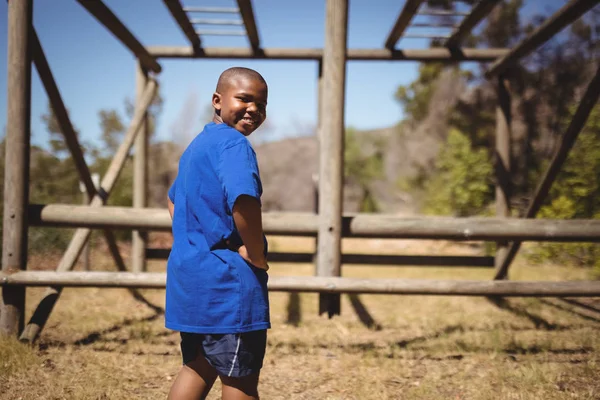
(416, 96)
(462, 184)
(575, 194)
(362, 168)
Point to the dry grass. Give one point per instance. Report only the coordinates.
(103, 344)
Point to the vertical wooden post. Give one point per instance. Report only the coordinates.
(140, 177)
(315, 177)
(331, 149)
(16, 171)
(86, 247)
(502, 167)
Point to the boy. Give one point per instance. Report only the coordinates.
(216, 274)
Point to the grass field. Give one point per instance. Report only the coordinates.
(103, 344)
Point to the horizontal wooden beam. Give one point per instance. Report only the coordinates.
(155, 280)
(360, 225)
(478, 13)
(107, 18)
(408, 11)
(372, 259)
(247, 13)
(180, 16)
(563, 17)
(424, 55)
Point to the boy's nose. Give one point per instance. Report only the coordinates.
(252, 107)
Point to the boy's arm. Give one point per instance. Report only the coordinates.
(171, 207)
(248, 221)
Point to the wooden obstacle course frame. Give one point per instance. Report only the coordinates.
(328, 224)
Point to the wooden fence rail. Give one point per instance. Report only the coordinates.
(371, 259)
(359, 225)
(314, 284)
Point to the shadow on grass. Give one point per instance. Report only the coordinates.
(573, 311)
(363, 314)
(96, 336)
(538, 321)
(581, 304)
(294, 311)
(535, 349)
(420, 339)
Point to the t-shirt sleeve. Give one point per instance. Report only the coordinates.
(238, 172)
(172, 192)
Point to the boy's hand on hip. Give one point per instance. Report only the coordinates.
(262, 264)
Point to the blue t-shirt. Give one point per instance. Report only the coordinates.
(211, 289)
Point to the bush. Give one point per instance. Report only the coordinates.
(575, 194)
(462, 185)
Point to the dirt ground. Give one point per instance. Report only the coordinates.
(103, 344)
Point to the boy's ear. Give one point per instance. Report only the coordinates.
(216, 101)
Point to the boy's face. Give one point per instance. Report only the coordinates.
(242, 104)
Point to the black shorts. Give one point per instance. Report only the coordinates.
(235, 354)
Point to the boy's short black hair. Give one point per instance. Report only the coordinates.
(234, 72)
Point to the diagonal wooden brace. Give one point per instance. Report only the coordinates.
(67, 262)
(582, 113)
(62, 117)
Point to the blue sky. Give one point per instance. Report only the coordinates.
(95, 71)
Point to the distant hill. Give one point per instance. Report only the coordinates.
(289, 168)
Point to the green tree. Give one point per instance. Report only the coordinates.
(576, 194)
(362, 168)
(112, 130)
(57, 140)
(416, 96)
(462, 184)
(113, 127)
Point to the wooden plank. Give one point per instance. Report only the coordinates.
(425, 36)
(81, 236)
(442, 13)
(502, 160)
(107, 18)
(247, 13)
(588, 101)
(373, 259)
(216, 10)
(408, 11)
(16, 170)
(213, 32)
(180, 16)
(438, 54)
(331, 148)
(563, 17)
(201, 21)
(140, 176)
(360, 225)
(478, 13)
(62, 116)
(157, 280)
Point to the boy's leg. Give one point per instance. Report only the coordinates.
(245, 388)
(194, 381)
(197, 376)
